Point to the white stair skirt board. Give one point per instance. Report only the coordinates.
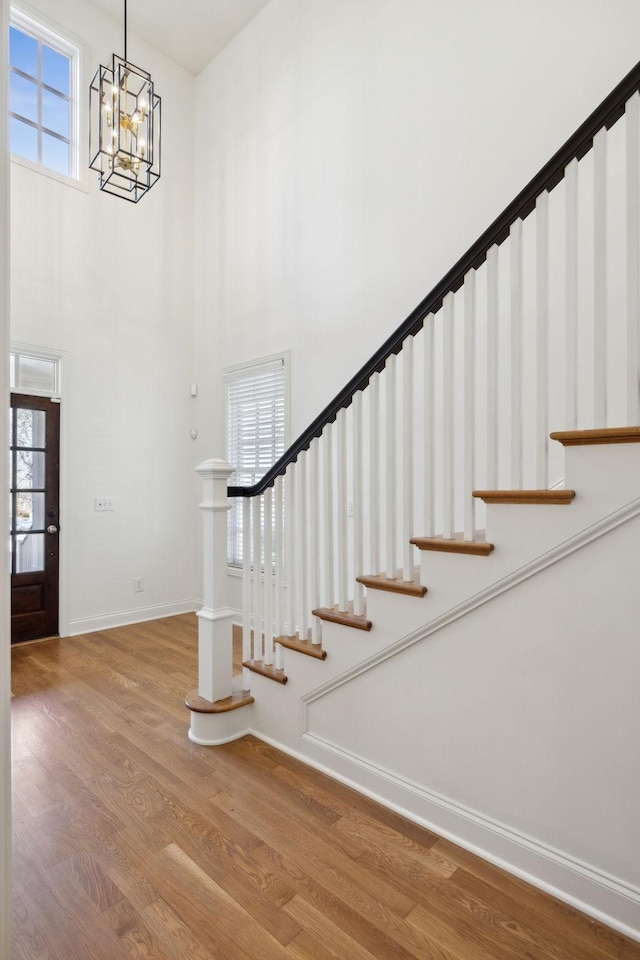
(593, 891)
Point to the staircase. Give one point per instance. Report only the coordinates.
(491, 691)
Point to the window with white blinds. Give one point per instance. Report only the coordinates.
(256, 431)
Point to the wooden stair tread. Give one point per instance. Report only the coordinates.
(265, 670)
(302, 646)
(193, 701)
(345, 617)
(525, 496)
(476, 548)
(410, 588)
(581, 438)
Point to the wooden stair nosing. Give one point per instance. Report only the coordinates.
(476, 548)
(408, 588)
(266, 670)
(302, 646)
(560, 497)
(582, 438)
(345, 617)
(193, 701)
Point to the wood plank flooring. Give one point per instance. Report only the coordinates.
(132, 842)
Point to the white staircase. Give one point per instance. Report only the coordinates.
(492, 694)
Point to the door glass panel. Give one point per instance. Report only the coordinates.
(30, 469)
(31, 427)
(30, 511)
(29, 552)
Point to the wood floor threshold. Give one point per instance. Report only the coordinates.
(345, 617)
(583, 438)
(409, 588)
(193, 701)
(526, 496)
(265, 670)
(476, 548)
(302, 646)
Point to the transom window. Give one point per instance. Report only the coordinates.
(43, 75)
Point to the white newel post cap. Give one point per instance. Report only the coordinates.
(215, 469)
(215, 475)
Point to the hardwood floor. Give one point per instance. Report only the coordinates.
(132, 842)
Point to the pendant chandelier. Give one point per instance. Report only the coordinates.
(124, 114)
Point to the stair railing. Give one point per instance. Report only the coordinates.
(535, 328)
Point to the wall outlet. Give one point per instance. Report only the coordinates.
(349, 508)
(105, 503)
(138, 584)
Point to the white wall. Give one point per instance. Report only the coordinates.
(349, 152)
(108, 284)
(5, 651)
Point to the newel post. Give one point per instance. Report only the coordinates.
(215, 632)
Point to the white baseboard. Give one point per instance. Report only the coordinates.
(123, 618)
(605, 898)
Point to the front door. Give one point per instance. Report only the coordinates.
(35, 479)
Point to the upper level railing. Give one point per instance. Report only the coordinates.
(576, 147)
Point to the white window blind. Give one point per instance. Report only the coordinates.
(256, 432)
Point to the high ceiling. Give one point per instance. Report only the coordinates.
(190, 32)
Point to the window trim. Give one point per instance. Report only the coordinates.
(274, 360)
(47, 31)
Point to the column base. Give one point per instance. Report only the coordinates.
(213, 724)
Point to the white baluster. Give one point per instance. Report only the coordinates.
(492, 368)
(633, 259)
(571, 296)
(292, 556)
(279, 569)
(374, 473)
(247, 597)
(407, 459)
(303, 551)
(391, 466)
(257, 578)
(448, 438)
(429, 432)
(600, 279)
(327, 499)
(469, 404)
(268, 577)
(358, 502)
(542, 341)
(315, 538)
(341, 509)
(516, 354)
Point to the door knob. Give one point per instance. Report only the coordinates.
(52, 528)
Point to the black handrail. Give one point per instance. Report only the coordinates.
(604, 116)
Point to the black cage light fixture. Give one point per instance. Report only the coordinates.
(124, 112)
